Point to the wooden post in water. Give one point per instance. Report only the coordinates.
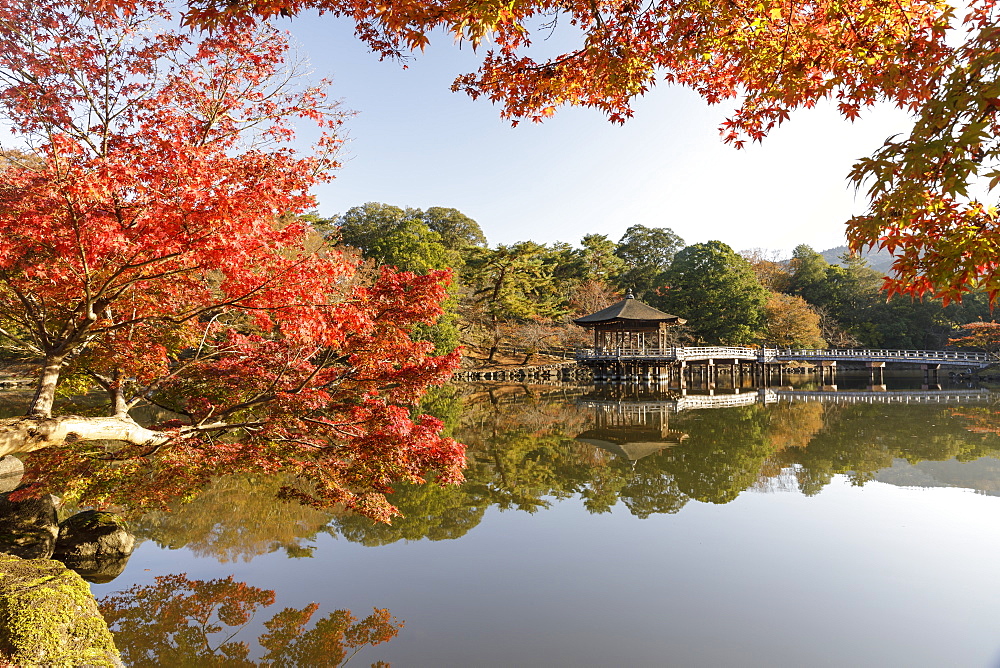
(875, 371)
(930, 370)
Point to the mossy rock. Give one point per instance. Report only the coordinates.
(94, 534)
(28, 528)
(48, 617)
(27, 542)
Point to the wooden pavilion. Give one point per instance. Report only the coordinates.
(631, 326)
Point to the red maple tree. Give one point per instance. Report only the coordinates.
(980, 335)
(149, 244)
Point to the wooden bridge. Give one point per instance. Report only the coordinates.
(735, 354)
(707, 364)
(631, 340)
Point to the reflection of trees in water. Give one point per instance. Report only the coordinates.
(428, 511)
(727, 451)
(523, 454)
(182, 622)
(859, 440)
(237, 517)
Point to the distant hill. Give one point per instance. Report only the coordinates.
(880, 260)
(981, 475)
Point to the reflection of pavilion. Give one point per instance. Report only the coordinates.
(631, 430)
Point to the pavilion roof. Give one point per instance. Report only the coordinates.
(631, 449)
(628, 309)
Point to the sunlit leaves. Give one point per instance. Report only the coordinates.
(932, 192)
(981, 335)
(769, 57)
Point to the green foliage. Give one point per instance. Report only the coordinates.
(646, 253)
(717, 291)
(852, 294)
(600, 255)
(457, 230)
(213, 524)
(428, 511)
(517, 294)
(417, 241)
(722, 456)
(508, 286)
(513, 282)
(410, 239)
(398, 237)
(808, 276)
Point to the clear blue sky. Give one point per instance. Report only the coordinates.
(415, 143)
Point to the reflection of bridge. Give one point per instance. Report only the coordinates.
(675, 404)
(908, 397)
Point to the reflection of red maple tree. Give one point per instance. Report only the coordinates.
(182, 622)
(979, 420)
(150, 248)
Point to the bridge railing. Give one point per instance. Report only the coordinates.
(672, 353)
(613, 353)
(887, 355)
(717, 352)
(787, 354)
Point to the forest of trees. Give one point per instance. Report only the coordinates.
(525, 295)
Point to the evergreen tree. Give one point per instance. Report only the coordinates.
(717, 291)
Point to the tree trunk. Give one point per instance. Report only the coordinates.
(116, 392)
(45, 391)
(26, 434)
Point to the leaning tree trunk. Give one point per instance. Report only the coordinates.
(45, 391)
(26, 434)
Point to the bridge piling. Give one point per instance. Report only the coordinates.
(930, 373)
(875, 370)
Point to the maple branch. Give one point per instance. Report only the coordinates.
(316, 369)
(37, 324)
(21, 343)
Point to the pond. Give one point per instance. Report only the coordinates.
(621, 527)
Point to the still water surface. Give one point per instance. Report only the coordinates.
(623, 528)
